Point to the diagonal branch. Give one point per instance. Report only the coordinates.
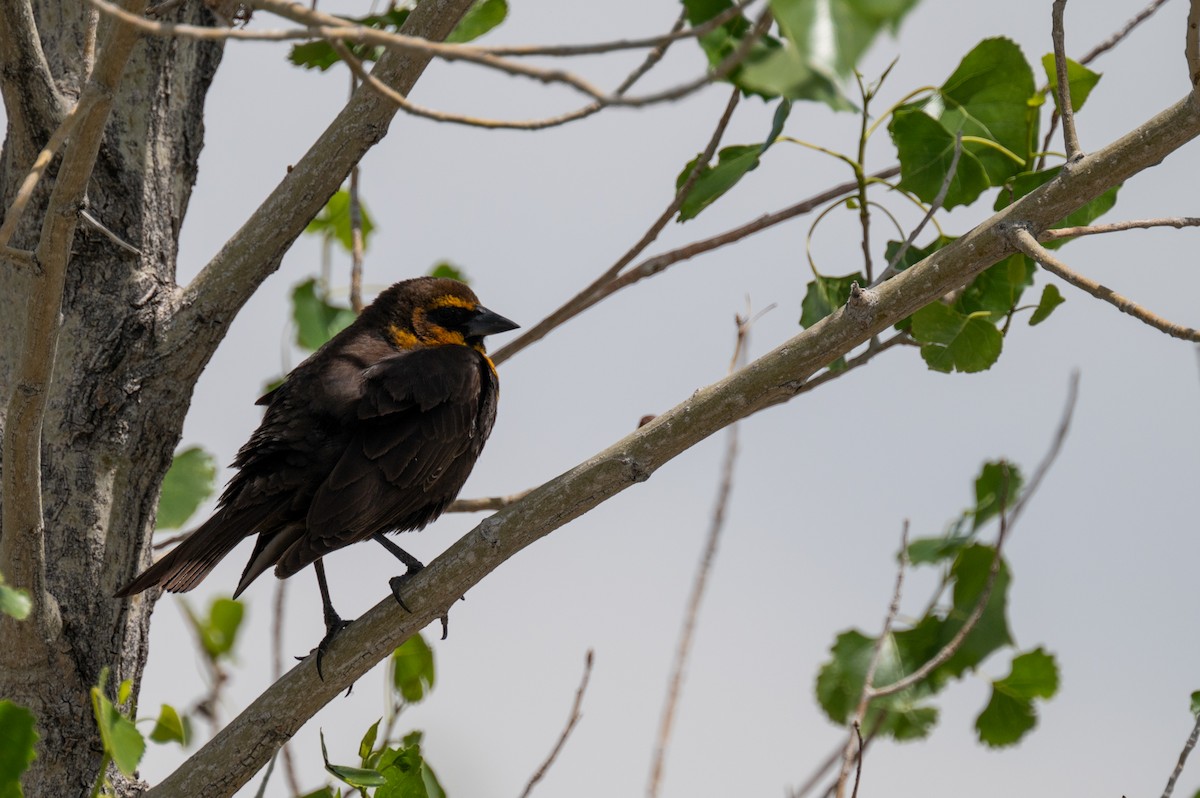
(252, 738)
(1064, 85)
(1192, 43)
(31, 98)
(22, 546)
(1027, 243)
(572, 721)
(1178, 222)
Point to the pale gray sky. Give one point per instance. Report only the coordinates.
(1103, 559)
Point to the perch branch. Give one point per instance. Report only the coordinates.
(252, 738)
(1025, 241)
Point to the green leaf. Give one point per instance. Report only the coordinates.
(1010, 713)
(188, 482)
(926, 149)
(408, 775)
(120, 738)
(324, 792)
(998, 484)
(721, 42)
(170, 728)
(359, 778)
(479, 19)
(367, 745)
(17, 740)
(316, 320)
(854, 24)
(1080, 80)
(1051, 298)
(713, 181)
(14, 601)
(998, 288)
(334, 221)
(412, 669)
(1034, 674)
(319, 55)
(1195, 703)
(825, 295)
(970, 575)
(925, 551)
(218, 632)
(952, 341)
(1005, 719)
(449, 271)
(991, 95)
(785, 72)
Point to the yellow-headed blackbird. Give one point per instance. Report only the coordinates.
(375, 432)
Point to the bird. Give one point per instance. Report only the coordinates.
(374, 433)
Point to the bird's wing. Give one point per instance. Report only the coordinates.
(417, 433)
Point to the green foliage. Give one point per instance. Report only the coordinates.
(910, 714)
(991, 100)
(395, 772)
(188, 482)
(1080, 81)
(1010, 713)
(825, 295)
(14, 601)
(218, 631)
(1051, 298)
(334, 221)
(955, 341)
(412, 669)
(170, 727)
(17, 740)
(479, 19)
(1026, 182)
(359, 778)
(449, 271)
(123, 743)
(317, 320)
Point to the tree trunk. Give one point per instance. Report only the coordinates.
(111, 422)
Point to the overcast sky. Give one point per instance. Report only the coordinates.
(1103, 559)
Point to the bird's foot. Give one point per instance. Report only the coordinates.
(397, 584)
(333, 625)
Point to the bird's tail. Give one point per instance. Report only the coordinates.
(188, 563)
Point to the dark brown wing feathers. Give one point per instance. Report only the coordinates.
(361, 438)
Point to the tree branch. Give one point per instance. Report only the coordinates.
(1178, 222)
(1066, 112)
(1187, 747)
(1025, 241)
(572, 720)
(251, 739)
(25, 193)
(22, 545)
(1192, 42)
(31, 98)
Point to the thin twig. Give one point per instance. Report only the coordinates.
(99, 227)
(1064, 85)
(818, 773)
(485, 503)
(1178, 222)
(15, 210)
(277, 608)
(1183, 755)
(864, 699)
(586, 297)
(858, 768)
(700, 580)
(572, 720)
(934, 208)
(1024, 241)
(356, 232)
(607, 285)
(1060, 437)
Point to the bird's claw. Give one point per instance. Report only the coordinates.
(333, 626)
(396, 583)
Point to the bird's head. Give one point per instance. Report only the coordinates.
(433, 311)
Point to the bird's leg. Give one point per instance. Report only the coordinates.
(397, 582)
(333, 621)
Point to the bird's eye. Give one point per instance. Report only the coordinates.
(450, 317)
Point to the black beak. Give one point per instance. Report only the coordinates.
(486, 322)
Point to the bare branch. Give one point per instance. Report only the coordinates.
(587, 297)
(98, 226)
(1060, 437)
(864, 699)
(608, 284)
(20, 257)
(699, 581)
(1025, 242)
(933, 208)
(251, 738)
(1187, 747)
(572, 720)
(32, 101)
(1178, 222)
(12, 216)
(1064, 85)
(22, 545)
(488, 503)
(356, 248)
